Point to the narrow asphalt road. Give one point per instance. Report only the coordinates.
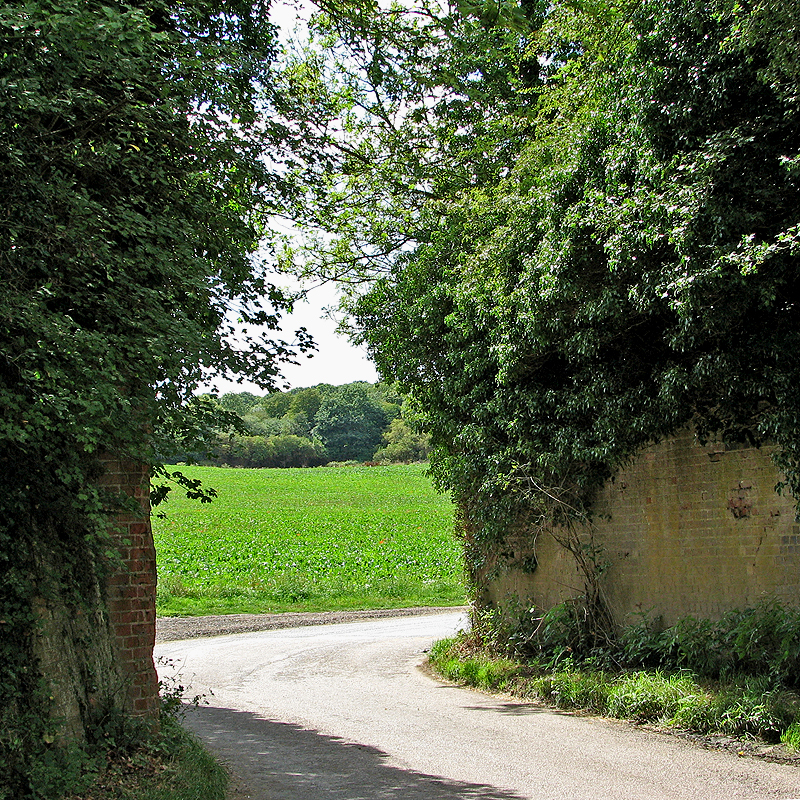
(343, 712)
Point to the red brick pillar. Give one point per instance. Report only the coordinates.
(132, 588)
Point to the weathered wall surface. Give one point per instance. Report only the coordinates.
(686, 530)
(131, 591)
(96, 650)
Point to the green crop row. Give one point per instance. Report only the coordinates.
(308, 539)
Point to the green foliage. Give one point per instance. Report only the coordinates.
(750, 707)
(124, 760)
(491, 674)
(411, 105)
(646, 696)
(328, 538)
(762, 642)
(172, 765)
(126, 247)
(304, 407)
(30, 764)
(285, 430)
(562, 633)
(744, 707)
(273, 405)
(133, 194)
(791, 736)
(570, 238)
(566, 316)
(189, 766)
(239, 402)
(282, 450)
(350, 424)
(403, 444)
(573, 690)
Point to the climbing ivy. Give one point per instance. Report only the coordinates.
(633, 273)
(571, 229)
(133, 196)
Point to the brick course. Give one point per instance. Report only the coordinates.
(687, 529)
(131, 590)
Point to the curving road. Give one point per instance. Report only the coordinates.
(342, 712)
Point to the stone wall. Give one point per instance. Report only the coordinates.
(686, 530)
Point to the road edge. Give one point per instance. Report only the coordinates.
(172, 629)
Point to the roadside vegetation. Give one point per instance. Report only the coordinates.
(567, 229)
(331, 538)
(738, 677)
(135, 765)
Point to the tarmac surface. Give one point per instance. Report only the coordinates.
(345, 712)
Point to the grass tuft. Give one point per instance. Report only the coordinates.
(739, 707)
(791, 736)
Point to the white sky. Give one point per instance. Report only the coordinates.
(335, 361)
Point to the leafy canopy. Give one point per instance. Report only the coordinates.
(134, 197)
(134, 190)
(618, 257)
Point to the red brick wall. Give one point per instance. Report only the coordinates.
(132, 589)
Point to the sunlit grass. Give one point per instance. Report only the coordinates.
(738, 706)
(308, 539)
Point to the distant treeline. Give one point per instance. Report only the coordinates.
(315, 426)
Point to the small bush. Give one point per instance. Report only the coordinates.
(765, 636)
(755, 707)
(642, 644)
(552, 636)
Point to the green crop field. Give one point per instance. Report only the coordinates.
(327, 538)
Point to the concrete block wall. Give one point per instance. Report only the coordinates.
(687, 530)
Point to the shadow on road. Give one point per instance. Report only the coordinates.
(520, 709)
(514, 709)
(500, 706)
(281, 761)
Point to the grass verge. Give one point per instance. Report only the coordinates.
(170, 766)
(744, 707)
(322, 539)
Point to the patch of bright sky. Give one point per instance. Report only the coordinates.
(336, 360)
